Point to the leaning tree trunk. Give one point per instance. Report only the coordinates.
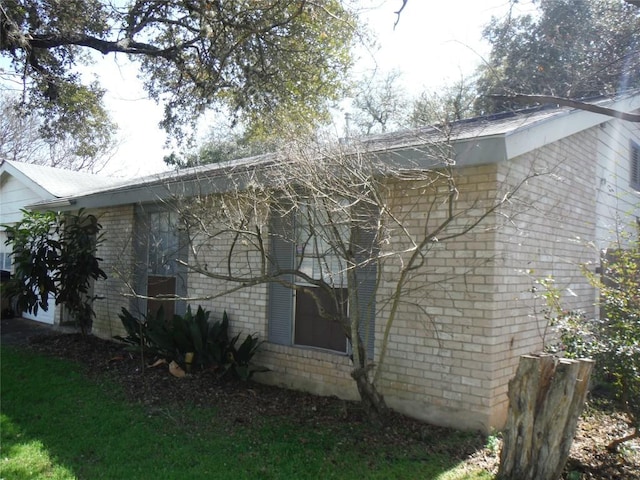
(546, 397)
(371, 400)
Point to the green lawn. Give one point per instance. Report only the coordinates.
(58, 424)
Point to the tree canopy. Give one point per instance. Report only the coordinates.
(379, 104)
(451, 103)
(570, 48)
(267, 62)
(221, 145)
(24, 137)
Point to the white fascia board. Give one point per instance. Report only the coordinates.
(537, 135)
(468, 152)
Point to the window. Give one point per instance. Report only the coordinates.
(159, 274)
(163, 243)
(314, 254)
(294, 317)
(5, 261)
(5, 254)
(635, 166)
(164, 246)
(317, 312)
(314, 329)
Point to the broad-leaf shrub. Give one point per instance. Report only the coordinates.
(55, 254)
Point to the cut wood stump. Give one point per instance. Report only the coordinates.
(546, 398)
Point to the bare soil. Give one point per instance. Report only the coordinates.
(249, 402)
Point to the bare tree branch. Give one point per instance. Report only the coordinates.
(399, 12)
(567, 102)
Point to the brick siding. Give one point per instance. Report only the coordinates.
(117, 255)
(465, 316)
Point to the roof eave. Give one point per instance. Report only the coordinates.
(536, 135)
(479, 150)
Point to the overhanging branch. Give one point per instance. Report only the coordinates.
(567, 102)
(103, 46)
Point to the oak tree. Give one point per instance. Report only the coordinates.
(570, 48)
(269, 63)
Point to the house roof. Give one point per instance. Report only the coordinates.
(55, 183)
(475, 141)
(503, 136)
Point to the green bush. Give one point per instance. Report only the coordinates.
(208, 340)
(613, 340)
(238, 360)
(616, 345)
(55, 254)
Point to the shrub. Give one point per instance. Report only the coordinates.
(617, 335)
(613, 341)
(239, 359)
(207, 340)
(55, 253)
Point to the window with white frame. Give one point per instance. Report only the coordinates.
(164, 243)
(318, 236)
(6, 263)
(5, 254)
(160, 248)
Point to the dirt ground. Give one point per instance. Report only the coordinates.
(246, 402)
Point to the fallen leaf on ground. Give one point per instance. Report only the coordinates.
(157, 363)
(175, 370)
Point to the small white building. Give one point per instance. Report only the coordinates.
(23, 184)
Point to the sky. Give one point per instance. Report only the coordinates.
(434, 43)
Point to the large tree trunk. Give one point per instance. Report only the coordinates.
(546, 397)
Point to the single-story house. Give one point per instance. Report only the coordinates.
(449, 353)
(23, 184)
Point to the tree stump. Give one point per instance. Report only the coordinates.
(546, 398)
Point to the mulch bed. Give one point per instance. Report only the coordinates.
(249, 402)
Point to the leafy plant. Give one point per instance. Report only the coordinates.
(35, 254)
(239, 360)
(616, 345)
(493, 442)
(79, 266)
(134, 327)
(55, 254)
(193, 333)
(613, 340)
(571, 327)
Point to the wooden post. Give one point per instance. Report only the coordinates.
(546, 398)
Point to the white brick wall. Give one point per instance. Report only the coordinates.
(465, 316)
(450, 362)
(618, 204)
(117, 261)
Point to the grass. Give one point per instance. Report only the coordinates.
(58, 424)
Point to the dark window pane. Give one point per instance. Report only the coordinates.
(314, 330)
